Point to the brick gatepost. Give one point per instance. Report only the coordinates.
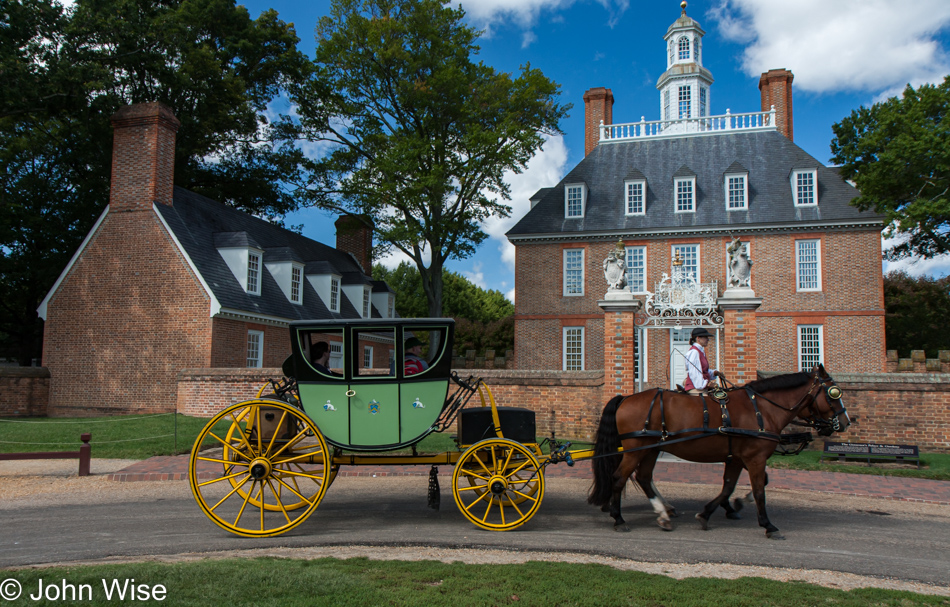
(619, 335)
(739, 343)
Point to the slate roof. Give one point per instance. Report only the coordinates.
(768, 156)
(201, 225)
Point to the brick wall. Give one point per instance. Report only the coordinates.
(205, 392)
(775, 87)
(229, 343)
(24, 391)
(598, 107)
(850, 305)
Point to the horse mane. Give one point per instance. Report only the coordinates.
(780, 382)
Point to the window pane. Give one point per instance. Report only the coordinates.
(684, 48)
(574, 272)
(295, 284)
(684, 101)
(737, 192)
(636, 269)
(807, 251)
(366, 303)
(335, 295)
(809, 337)
(684, 195)
(574, 201)
(634, 198)
(254, 339)
(805, 188)
(689, 254)
(574, 349)
(253, 272)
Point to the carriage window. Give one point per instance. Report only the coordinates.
(364, 343)
(425, 348)
(324, 351)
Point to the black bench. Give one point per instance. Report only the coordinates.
(871, 453)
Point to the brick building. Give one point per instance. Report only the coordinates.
(170, 280)
(685, 186)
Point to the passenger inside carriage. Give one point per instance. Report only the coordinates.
(321, 358)
(414, 362)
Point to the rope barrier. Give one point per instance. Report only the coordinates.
(90, 421)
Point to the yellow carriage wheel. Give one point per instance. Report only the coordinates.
(530, 481)
(285, 471)
(270, 458)
(498, 484)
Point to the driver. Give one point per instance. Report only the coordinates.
(699, 377)
(414, 362)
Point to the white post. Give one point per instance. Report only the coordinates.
(603, 131)
(772, 116)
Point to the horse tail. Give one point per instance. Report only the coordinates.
(603, 464)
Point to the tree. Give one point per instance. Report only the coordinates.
(66, 72)
(898, 154)
(916, 313)
(419, 134)
(484, 318)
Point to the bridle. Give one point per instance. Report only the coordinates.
(833, 394)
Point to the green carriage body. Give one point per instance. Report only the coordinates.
(367, 408)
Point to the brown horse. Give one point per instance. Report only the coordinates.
(753, 417)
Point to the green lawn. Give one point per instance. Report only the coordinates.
(934, 466)
(360, 582)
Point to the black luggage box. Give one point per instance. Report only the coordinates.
(476, 424)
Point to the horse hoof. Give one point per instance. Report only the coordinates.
(737, 504)
(664, 524)
(733, 516)
(703, 521)
(622, 528)
(774, 535)
(672, 513)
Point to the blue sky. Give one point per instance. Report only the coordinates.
(843, 53)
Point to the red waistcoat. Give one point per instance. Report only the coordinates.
(703, 365)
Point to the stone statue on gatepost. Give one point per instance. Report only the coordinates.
(740, 266)
(615, 268)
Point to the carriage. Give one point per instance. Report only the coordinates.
(259, 468)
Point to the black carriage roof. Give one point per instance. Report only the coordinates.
(372, 322)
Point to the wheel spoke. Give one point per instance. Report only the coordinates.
(280, 425)
(240, 434)
(297, 458)
(230, 493)
(260, 430)
(222, 478)
(247, 498)
(296, 439)
(279, 502)
(226, 462)
(291, 489)
(228, 445)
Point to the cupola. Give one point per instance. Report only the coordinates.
(684, 86)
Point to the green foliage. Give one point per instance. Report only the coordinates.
(916, 313)
(483, 318)
(283, 582)
(66, 72)
(117, 436)
(420, 133)
(898, 154)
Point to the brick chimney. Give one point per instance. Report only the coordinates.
(598, 105)
(143, 157)
(776, 89)
(354, 234)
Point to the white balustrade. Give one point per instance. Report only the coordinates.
(751, 121)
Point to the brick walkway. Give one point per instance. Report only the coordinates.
(167, 468)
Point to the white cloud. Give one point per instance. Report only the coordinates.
(853, 45)
(938, 266)
(525, 13)
(544, 170)
(476, 276)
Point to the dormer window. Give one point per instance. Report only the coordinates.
(253, 273)
(805, 187)
(296, 284)
(685, 189)
(684, 49)
(391, 307)
(575, 197)
(334, 294)
(737, 191)
(366, 306)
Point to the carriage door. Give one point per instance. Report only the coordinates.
(374, 392)
(679, 344)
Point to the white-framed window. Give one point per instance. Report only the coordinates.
(253, 272)
(685, 189)
(737, 192)
(635, 197)
(683, 48)
(334, 294)
(689, 255)
(666, 104)
(391, 306)
(255, 349)
(699, 48)
(745, 249)
(574, 198)
(367, 357)
(366, 300)
(573, 272)
(336, 355)
(805, 188)
(810, 350)
(637, 269)
(703, 97)
(808, 265)
(296, 284)
(672, 52)
(573, 348)
(684, 98)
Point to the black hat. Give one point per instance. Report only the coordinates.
(412, 342)
(700, 332)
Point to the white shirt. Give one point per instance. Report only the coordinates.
(695, 369)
